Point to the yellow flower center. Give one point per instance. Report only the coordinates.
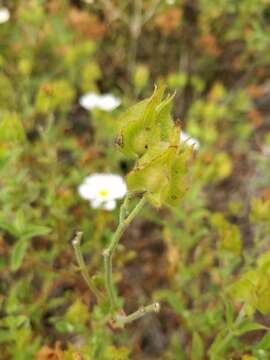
(103, 193)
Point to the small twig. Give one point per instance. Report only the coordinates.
(138, 314)
(82, 267)
(108, 253)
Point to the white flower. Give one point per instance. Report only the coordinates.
(106, 102)
(170, 2)
(102, 190)
(184, 137)
(4, 15)
(89, 101)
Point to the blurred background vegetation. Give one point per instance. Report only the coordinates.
(204, 260)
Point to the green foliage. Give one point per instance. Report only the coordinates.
(57, 95)
(253, 288)
(197, 347)
(229, 235)
(18, 253)
(207, 259)
(260, 211)
(11, 133)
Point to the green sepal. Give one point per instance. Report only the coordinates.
(149, 133)
(179, 180)
(152, 174)
(139, 130)
(164, 119)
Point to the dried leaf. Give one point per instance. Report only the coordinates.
(47, 353)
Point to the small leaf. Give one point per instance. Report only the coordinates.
(197, 347)
(20, 222)
(219, 344)
(64, 326)
(228, 312)
(16, 321)
(77, 313)
(248, 326)
(10, 228)
(244, 288)
(18, 253)
(264, 344)
(35, 230)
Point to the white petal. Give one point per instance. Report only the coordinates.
(95, 179)
(4, 15)
(87, 192)
(116, 186)
(108, 102)
(96, 203)
(109, 205)
(89, 101)
(119, 189)
(184, 137)
(105, 102)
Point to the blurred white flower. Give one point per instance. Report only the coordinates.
(190, 141)
(106, 102)
(4, 15)
(102, 190)
(170, 2)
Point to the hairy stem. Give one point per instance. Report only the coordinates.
(138, 314)
(108, 253)
(82, 267)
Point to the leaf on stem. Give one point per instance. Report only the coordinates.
(18, 253)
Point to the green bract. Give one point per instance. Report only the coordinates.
(149, 134)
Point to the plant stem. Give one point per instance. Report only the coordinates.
(124, 207)
(108, 253)
(82, 267)
(138, 314)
